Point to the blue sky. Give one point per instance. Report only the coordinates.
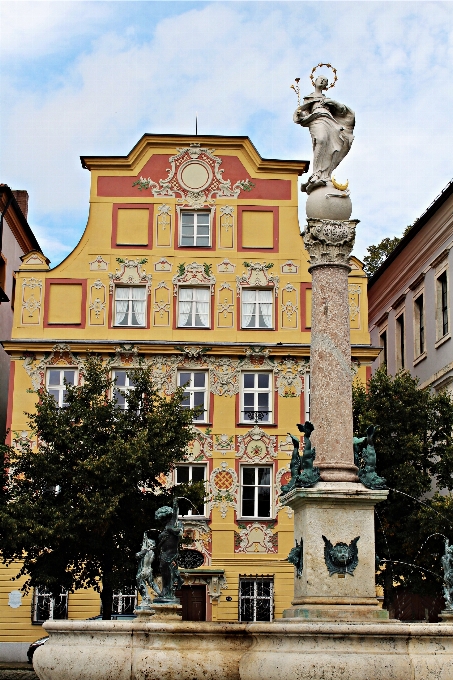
(89, 78)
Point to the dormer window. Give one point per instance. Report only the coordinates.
(195, 229)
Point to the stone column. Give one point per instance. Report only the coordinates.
(329, 244)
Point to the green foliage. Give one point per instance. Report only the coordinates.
(207, 268)
(181, 269)
(414, 448)
(377, 254)
(74, 510)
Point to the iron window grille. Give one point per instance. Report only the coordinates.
(195, 385)
(256, 396)
(256, 488)
(195, 229)
(193, 307)
(56, 381)
(124, 601)
(124, 384)
(257, 308)
(256, 598)
(130, 306)
(187, 473)
(46, 607)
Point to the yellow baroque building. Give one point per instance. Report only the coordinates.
(192, 258)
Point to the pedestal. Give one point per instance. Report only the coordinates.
(160, 612)
(446, 616)
(341, 512)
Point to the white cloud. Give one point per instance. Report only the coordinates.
(233, 63)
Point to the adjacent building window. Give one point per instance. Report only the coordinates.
(195, 393)
(193, 307)
(124, 601)
(124, 383)
(257, 308)
(256, 599)
(307, 395)
(442, 305)
(57, 379)
(256, 397)
(130, 305)
(46, 607)
(400, 348)
(383, 343)
(187, 474)
(419, 322)
(195, 229)
(256, 491)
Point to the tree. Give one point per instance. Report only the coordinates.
(414, 448)
(75, 507)
(377, 254)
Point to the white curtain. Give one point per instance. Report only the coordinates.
(185, 306)
(121, 304)
(265, 307)
(138, 304)
(201, 297)
(248, 308)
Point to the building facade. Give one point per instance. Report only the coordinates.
(192, 259)
(410, 300)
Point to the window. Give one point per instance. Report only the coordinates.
(256, 397)
(130, 305)
(193, 310)
(124, 383)
(400, 348)
(46, 607)
(383, 344)
(195, 393)
(257, 308)
(419, 320)
(195, 229)
(187, 474)
(256, 491)
(124, 601)
(56, 386)
(256, 599)
(442, 305)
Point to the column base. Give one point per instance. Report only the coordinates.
(161, 612)
(446, 616)
(335, 612)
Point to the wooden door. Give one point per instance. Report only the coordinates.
(193, 600)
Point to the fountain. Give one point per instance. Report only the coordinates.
(335, 626)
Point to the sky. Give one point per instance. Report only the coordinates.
(90, 78)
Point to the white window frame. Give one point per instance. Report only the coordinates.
(191, 466)
(307, 390)
(257, 390)
(255, 597)
(443, 274)
(42, 592)
(130, 309)
(256, 314)
(400, 340)
(121, 599)
(124, 388)
(61, 389)
(193, 312)
(256, 486)
(196, 226)
(191, 389)
(419, 351)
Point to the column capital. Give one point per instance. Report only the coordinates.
(329, 242)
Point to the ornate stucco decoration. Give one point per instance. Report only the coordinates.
(255, 446)
(215, 583)
(195, 351)
(226, 267)
(224, 443)
(329, 241)
(282, 477)
(224, 376)
(126, 356)
(256, 357)
(60, 355)
(195, 178)
(194, 274)
(164, 367)
(163, 265)
(255, 537)
(31, 301)
(22, 440)
(99, 264)
(97, 303)
(354, 293)
(130, 273)
(257, 275)
(200, 534)
(200, 448)
(289, 267)
(224, 488)
(290, 376)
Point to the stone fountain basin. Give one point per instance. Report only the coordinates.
(142, 650)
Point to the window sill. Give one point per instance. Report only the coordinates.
(443, 339)
(261, 519)
(264, 328)
(119, 327)
(250, 424)
(195, 518)
(420, 358)
(193, 328)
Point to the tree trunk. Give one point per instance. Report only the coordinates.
(388, 586)
(107, 589)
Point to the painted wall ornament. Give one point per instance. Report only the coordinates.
(60, 355)
(303, 473)
(32, 289)
(226, 266)
(447, 566)
(224, 376)
(256, 537)
(365, 459)
(296, 557)
(224, 443)
(200, 448)
(194, 274)
(257, 274)
(224, 488)
(199, 532)
(195, 178)
(282, 477)
(99, 264)
(341, 558)
(290, 377)
(130, 272)
(256, 446)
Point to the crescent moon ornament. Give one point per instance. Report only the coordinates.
(334, 70)
(340, 187)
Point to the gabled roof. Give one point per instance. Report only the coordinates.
(17, 221)
(219, 141)
(413, 231)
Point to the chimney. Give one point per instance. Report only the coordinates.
(21, 197)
